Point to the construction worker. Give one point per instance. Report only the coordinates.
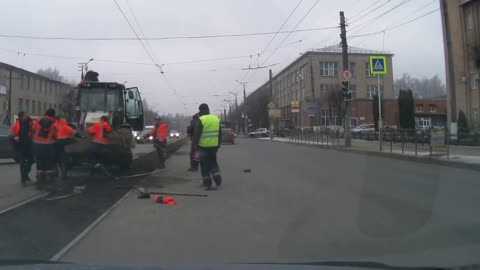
(20, 134)
(44, 138)
(159, 133)
(207, 139)
(99, 131)
(65, 134)
(193, 154)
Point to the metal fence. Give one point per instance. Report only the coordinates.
(320, 137)
(415, 141)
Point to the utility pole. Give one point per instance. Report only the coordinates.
(245, 117)
(343, 36)
(272, 124)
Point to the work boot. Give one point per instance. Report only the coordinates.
(50, 185)
(40, 183)
(217, 178)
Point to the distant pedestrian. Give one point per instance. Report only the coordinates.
(44, 138)
(207, 139)
(194, 157)
(159, 133)
(21, 136)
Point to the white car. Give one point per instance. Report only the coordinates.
(364, 129)
(174, 134)
(259, 132)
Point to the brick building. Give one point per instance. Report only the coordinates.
(315, 78)
(30, 92)
(461, 30)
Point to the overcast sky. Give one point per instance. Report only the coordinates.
(417, 46)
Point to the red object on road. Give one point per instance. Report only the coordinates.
(164, 200)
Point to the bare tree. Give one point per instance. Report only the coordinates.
(53, 74)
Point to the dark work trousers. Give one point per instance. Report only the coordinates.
(193, 160)
(209, 166)
(60, 155)
(45, 156)
(25, 158)
(161, 147)
(96, 157)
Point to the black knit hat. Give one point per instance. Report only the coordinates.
(204, 108)
(50, 112)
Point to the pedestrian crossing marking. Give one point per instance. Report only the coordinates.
(378, 65)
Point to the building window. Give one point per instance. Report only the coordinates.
(302, 77)
(20, 104)
(34, 84)
(27, 105)
(22, 85)
(39, 108)
(474, 81)
(353, 89)
(468, 19)
(328, 69)
(34, 107)
(50, 105)
(372, 91)
(28, 82)
(51, 89)
(423, 122)
(433, 108)
(353, 69)
(367, 71)
(324, 88)
(419, 108)
(44, 106)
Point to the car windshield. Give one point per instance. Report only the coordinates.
(286, 132)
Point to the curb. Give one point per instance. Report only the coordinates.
(426, 160)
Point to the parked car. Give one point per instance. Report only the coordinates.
(228, 135)
(174, 134)
(364, 129)
(6, 147)
(259, 132)
(140, 139)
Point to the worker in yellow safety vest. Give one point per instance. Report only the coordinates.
(207, 137)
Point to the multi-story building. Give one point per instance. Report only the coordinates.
(430, 113)
(315, 78)
(461, 30)
(29, 92)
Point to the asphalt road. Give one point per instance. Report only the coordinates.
(298, 204)
(41, 228)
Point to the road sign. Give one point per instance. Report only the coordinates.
(295, 106)
(271, 105)
(347, 75)
(274, 113)
(311, 108)
(378, 65)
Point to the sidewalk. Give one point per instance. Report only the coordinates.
(458, 155)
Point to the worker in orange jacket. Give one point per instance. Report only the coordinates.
(44, 139)
(99, 131)
(65, 134)
(160, 133)
(20, 134)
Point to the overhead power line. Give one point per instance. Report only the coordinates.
(161, 38)
(363, 10)
(273, 38)
(367, 23)
(395, 26)
(363, 16)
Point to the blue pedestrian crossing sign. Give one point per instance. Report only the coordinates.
(378, 65)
